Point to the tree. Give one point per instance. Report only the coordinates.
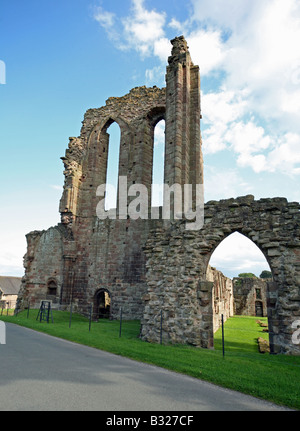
(247, 275)
(266, 274)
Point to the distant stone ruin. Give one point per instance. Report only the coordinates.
(153, 266)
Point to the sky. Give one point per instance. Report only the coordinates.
(60, 58)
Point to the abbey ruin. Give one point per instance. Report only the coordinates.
(152, 265)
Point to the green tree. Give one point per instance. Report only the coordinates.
(266, 274)
(247, 275)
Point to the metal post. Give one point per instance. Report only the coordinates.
(223, 336)
(28, 309)
(121, 314)
(71, 308)
(91, 308)
(161, 319)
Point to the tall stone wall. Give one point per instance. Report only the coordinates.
(223, 296)
(146, 264)
(95, 254)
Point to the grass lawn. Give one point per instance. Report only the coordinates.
(271, 377)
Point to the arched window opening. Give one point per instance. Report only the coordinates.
(238, 290)
(103, 303)
(158, 165)
(52, 288)
(112, 171)
(237, 254)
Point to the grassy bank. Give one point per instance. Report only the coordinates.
(273, 378)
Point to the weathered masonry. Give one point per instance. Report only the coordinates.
(149, 265)
(179, 285)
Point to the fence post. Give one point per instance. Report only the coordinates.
(91, 307)
(121, 314)
(161, 320)
(71, 308)
(28, 309)
(223, 349)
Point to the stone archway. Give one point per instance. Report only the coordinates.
(177, 260)
(102, 304)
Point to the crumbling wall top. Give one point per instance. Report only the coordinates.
(179, 45)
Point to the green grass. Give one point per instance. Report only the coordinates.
(241, 334)
(271, 377)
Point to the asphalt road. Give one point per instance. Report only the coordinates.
(44, 373)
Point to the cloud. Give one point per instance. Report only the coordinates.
(261, 55)
(255, 45)
(224, 183)
(250, 46)
(206, 48)
(105, 19)
(286, 155)
(159, 133)
(226, 127)
(143, 27)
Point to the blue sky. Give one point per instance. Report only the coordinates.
(62, 58)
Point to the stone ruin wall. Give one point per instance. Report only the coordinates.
(250, 296)
(180, 287)
(222, 294)
(153, 265)
(83, 253)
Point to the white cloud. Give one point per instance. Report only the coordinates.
(224, 183)
(218, 111)
(228, 15)
(143, 28)
(206, 48)
(105, 19)
(162, 48)
(11, 256)
(225, 128)
(263, 56)
(286, 155)
(247, 138)
(159, 133)
(155, 75)
(253, 43)
(225, 106)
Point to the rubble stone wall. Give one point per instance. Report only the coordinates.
(250, 296)
(177, 262)
(150, 266)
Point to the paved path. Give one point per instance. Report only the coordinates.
(40, 372)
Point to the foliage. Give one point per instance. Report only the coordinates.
(247, 275)
(266, 274)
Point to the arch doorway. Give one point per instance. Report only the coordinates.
(102, 304)
(234, 268)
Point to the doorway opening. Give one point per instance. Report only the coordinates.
(102, 304)
(236, 268)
